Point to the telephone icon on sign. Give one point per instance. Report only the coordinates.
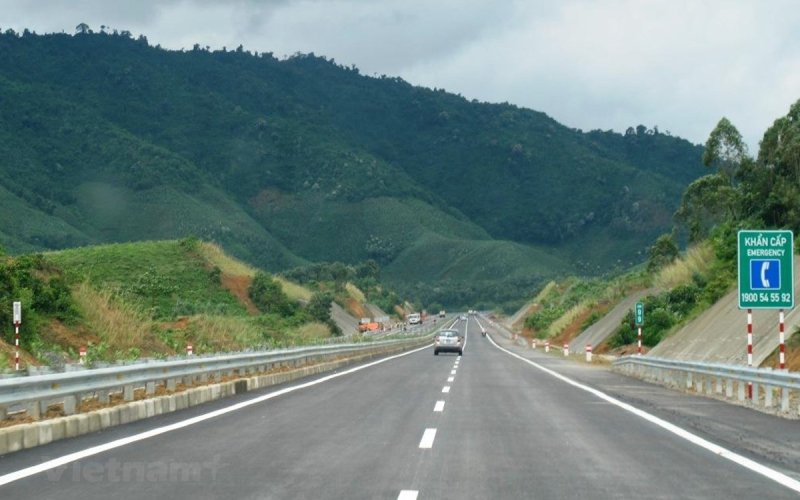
(765, 274)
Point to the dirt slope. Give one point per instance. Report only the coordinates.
(605, 327)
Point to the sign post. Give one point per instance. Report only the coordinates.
(639, 316)
(17, 308)
(766, 278)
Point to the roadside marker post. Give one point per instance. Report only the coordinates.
(189, 350)
(82, 352)
(566, 349)
(588, 353)
(639, 319)
(765, 262)
(547, 346)
(17, 309)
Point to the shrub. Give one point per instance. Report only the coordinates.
(268, 296)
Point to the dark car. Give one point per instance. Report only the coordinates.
(448, 341)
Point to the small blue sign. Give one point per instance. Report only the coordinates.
(765, 274)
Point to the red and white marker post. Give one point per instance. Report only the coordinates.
(588, 353)
(189, 350)
(749, 350)
(546, 346)
(17, 310)
(566, 349)
(782, 353)
(639, 339)
(16, 344)
(82, 353)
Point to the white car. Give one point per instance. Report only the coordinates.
(448, 341)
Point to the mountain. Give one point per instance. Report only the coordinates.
(104, 138)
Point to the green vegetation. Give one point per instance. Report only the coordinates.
(562, 303)
(165, 278)
(663, 312)
(742, 193)
(332, 280)
(289, 162)
(128, 300)
(43, 292)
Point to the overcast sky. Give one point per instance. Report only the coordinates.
(607, 64)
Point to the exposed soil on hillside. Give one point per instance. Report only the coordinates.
(68, 337)
(573, 329)
(179, 324)
(238, 286)
(792, 355)
(8, 351)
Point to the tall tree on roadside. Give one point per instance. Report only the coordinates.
(706, 202)
(771, 186)
(715, 198)
(725, 150)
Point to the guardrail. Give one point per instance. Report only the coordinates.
(36, 393)
(756, 386)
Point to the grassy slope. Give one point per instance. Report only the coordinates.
(152, 298)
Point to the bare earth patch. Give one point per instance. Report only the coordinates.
(238, 286)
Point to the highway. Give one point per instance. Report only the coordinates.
(487, 425)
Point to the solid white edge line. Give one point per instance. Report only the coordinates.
(439, 406)
(745, 462)
(66, 459)
(446, 388)
(427, 438)
(408, 495)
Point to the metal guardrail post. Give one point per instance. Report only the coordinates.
(728, 381)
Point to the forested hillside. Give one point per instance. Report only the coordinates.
(105, 138)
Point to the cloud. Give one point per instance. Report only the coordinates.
(678, 64)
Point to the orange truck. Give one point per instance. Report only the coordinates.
(367, 325)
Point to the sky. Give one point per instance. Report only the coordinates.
(680, 65)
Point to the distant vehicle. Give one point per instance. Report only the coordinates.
(372, 326)
(448, 341)
(463, 317)
(414, 318)
(442, 314)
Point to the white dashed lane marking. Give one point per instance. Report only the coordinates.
(439, 406)
(427, 438)
(446, 388)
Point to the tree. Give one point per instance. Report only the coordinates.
(267, 294)
(82, 29)
(772, 185)
(725, 149)
(663, 252)
(706, 202)
(319, 307)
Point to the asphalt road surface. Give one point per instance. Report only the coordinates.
(487, 425)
